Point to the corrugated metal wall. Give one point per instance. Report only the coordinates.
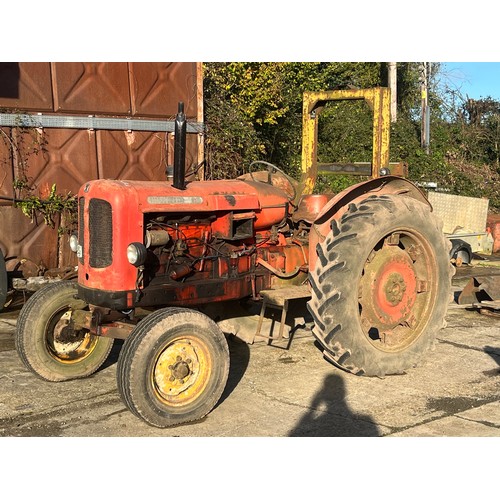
(69, 157)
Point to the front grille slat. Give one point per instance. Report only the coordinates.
(100, 233)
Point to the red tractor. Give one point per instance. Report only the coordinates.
(373, 260)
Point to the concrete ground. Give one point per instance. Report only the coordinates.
(275, 391)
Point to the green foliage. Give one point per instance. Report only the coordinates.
(345, 132)
(231, 140)
(335, 183)
(54, 205)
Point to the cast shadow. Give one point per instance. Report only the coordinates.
(330, 416)
(113, 355)
(239, 355)
(494, 353)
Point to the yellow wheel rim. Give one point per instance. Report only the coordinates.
(63, 348)
(181, 371)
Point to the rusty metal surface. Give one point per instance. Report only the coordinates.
(493, 225)
(480, 289)
(138, 155)
(131, 155)
(91, 87)
(6, 173)
(22, 239)
(25, 85)
(310, 206)
(156, 87)
(69, 159)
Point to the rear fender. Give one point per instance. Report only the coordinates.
(334, 209)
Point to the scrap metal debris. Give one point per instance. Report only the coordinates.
(483, 293)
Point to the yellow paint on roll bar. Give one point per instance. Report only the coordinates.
(378, 99)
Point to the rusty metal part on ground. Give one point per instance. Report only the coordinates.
(482, 292)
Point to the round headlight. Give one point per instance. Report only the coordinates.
(136, 254)
(73, 243)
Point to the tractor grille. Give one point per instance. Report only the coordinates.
(100, 233)
(81, 232)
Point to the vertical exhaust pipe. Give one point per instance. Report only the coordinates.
(179, 181)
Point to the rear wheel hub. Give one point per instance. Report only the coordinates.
(389, 284)
(395, 288)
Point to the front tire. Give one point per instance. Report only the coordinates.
(173, 367)
(381, 285)
(45, 341)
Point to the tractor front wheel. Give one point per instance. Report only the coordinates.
(381, 285)
(173, 367)
(47, 342)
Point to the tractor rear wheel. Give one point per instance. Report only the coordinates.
(173, 367)
(381, 285)
(46, 341)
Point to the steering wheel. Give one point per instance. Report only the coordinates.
(273, 168)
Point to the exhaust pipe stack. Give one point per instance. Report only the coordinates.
(179, 181)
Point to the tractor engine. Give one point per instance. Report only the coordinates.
(150, 244)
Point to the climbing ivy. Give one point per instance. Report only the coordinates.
(51, 207)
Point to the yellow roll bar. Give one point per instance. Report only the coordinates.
(378, 99)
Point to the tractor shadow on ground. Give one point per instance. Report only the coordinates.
(239, 354)
(113, 355)
(330, 416)
(494, 353)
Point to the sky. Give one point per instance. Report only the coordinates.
(474, 79)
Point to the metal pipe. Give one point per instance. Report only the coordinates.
(93, 123)
(180, 149)
(392, 66)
